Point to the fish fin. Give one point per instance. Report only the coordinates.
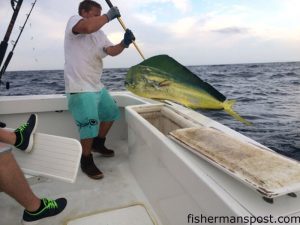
(228, 104)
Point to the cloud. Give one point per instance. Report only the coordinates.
(146, 18)
(182, 5)
(232, 30)
(183, 27)
(115, 37)
(216, 32)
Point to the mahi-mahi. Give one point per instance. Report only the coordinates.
(162, 78)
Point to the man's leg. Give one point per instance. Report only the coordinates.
(13, 182)
(104, 128)
(84, 112)
(22, 137)
(8, 137)
(108, 112)
(86, 146)
(87, 162)
(99, 142)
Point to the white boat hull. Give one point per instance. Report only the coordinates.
(177, 186)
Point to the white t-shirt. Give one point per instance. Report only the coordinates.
(83, 59)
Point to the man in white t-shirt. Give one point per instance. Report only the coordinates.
(91, 105)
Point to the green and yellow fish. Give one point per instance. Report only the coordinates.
(162, 78)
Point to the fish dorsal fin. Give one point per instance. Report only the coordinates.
(167, 64)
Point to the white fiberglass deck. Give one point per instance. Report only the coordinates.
(135, 214)
(86, 196)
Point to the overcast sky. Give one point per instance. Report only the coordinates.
(194, 32)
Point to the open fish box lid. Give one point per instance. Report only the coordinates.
(268, 172)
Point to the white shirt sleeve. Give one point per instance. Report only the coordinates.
(71, 23)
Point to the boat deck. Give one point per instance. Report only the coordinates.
(117, 189)
(148, 163)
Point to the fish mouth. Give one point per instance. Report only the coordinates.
(129, 83)
(131, 86)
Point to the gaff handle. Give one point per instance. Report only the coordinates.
(109, 3)
(124, 27)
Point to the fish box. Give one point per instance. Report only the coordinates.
(169, 175)
(245, 160)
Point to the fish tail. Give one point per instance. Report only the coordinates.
(228, 104)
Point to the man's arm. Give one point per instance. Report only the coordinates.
(92, 24)
(117, 49)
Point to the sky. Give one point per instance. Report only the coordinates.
(194, 32)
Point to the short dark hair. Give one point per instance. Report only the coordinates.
(86, 5)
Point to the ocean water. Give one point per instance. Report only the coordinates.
(267, 94)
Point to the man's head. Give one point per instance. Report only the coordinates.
(89, 8)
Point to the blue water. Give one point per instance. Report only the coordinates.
(268, 95)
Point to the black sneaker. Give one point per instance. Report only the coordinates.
(24, 134)
(89, 168)
(99, 147)
(51, 208)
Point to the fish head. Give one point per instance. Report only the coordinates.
(147, 81)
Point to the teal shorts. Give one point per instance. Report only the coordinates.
(89, 109)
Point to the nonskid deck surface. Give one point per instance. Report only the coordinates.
(135, 214)
(118, 188)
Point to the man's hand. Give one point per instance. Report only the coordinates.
(112, 13)
(128, 38)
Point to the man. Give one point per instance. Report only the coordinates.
(12, 180)
(92, 107)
